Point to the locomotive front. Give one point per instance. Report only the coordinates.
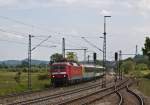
(58, 73)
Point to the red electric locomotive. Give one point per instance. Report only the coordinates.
(65, 72)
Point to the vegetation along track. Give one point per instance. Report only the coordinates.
(56, 95)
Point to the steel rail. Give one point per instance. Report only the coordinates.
(120, 97)
(36, 100)
(94, 93)
(136, 95)
(27, 92)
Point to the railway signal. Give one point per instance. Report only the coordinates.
(117, 67)
(94, 57)
(116, 56)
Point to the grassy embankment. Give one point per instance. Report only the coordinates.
(8, 84)
(144, 81)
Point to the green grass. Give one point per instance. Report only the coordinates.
(144, 86)
(8, 84)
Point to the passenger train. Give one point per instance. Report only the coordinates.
(71, 72)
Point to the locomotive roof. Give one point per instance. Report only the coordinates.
(66, 63)
(76, 64)
(91, 66)
(61, 63)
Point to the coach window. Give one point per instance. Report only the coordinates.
(71, 63)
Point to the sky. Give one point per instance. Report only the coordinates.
(72, 19)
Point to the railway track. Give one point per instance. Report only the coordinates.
(94, 96)
(52, 96)
(131, 98)
(120, 98)
(125, 96)
(86, 95)
(128, 97)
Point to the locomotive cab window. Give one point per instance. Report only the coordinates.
(58, 67)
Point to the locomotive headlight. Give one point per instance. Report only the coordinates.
(64, 75)
(53, 76)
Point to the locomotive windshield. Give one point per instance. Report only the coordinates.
(58, 67)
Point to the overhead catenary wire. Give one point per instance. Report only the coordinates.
(40, 43)
(33, 26)
(43, 29)
(91, 44)
(26, 35)
(26, 24)
(13, 32)
(17, 42)
(23, 35)
(19, 22)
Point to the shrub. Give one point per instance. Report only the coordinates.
(141, 66)
(42, 76)
(147, 76)
(17, 77)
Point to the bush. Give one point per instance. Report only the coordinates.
(141, 66)
(147, 76)
(17, 77)
(42, 76)
(47, 86)
(128, 66)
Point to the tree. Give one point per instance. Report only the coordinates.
(24, 63)
(141, 59)
(4, 65)
(56, 57)
(128, 66)
(18, 77)
(141, 66)
(146, 49)
(71, 56)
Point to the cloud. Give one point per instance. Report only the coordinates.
(10, 35)
(51, 3)
(105, 12)
(139, 6)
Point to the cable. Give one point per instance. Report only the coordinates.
(43, 29)
(13, 41)
(40, 43)
(47, 41)
(25, 24)
(91, 44)
(15, 33)
(46, 46)
(16, 21)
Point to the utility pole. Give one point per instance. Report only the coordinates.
(63, 47)
(29, 59)
(120, 59)
(29, 63)
(104, 54)
(136, 52)
(85, 55)
(88, 58)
